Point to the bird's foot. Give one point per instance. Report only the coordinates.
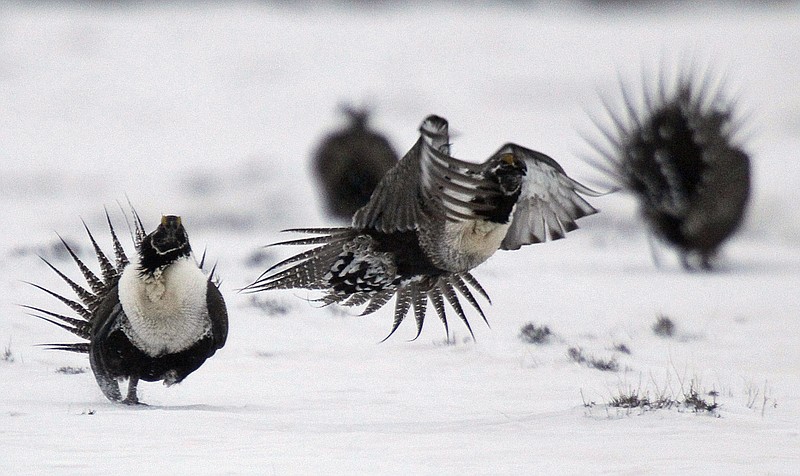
(171, 378)
(132, 401)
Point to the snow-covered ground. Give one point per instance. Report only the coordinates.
(212, 112)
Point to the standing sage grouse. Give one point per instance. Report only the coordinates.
(431, 220)
(350, 163)
(157, 318)
(677, 155)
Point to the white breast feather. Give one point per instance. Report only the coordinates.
(478, 239)
(166, 313)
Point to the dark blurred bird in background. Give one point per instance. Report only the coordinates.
(157, 318)
(349, 163)
(431, 220)
(674, 148)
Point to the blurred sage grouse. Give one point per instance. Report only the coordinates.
(431, 220)
(349, 164)
(675, 151)
(156, 318)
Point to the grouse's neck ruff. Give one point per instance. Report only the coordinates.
(431, 220)
(157, 317)
(166, 311)
(677, 153)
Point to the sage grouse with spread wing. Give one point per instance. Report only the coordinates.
(157, 318)
(431, 220)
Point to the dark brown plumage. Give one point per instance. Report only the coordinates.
(349, 163)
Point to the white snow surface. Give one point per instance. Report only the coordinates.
(212, 112)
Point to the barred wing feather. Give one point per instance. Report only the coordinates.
(549, 203)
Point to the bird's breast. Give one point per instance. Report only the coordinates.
(166, 313)
(465, 245)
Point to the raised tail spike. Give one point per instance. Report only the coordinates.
(470, 279)
(94, 282)
(74, 305)
(79, 327)
(87, 297)
(108, 270)
(139, 226)
(121, 259)
(80, 347)
(378, 301)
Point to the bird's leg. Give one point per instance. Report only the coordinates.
(132, 398)
(706, 260)
(654, 254)
(171, 377)
(686, 262)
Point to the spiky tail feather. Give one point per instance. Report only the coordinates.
(437, 290)
(87, 299)
(306, 270)
(308, 266)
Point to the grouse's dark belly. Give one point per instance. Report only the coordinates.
(120, 358)
(409, 257)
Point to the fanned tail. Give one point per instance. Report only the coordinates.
(347, 266)
(89, 297)
(307, 268)
(416, 294)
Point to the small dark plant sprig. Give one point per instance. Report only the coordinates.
(577, 355)
(690, 400)
(694, 402)
(622, 348)
(533, 334)
(634, 400)
(753, 394)
(664, 327)
(69, 370)
(8, 355)
(270, 307)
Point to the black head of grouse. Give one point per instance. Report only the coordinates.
(677, 154)
(431, 220)
(349, 163)
(157, 317)
(164, 246)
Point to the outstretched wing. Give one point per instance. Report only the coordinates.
(396, 204)
(549, 203)
(459, 190)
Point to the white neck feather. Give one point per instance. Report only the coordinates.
(167, 312)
